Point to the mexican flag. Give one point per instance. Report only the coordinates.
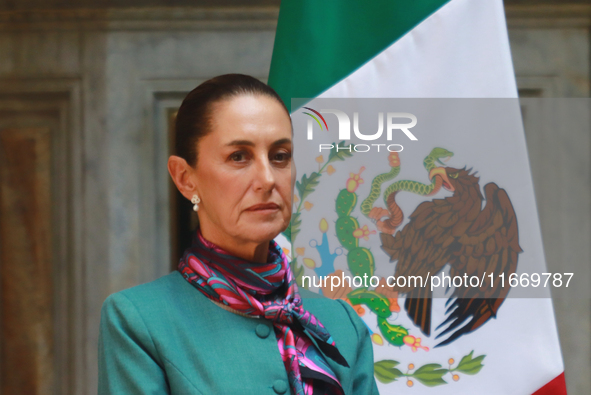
(409, 201)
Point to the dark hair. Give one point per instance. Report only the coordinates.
(193, 120)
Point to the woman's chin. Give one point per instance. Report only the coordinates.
(263, 232)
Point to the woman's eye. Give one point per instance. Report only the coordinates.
(281, 156)
(238, 156)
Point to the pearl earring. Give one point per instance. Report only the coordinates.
(195, 200)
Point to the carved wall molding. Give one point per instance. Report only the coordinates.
(548, 15)
(531, 15)
(56, 102)
(164, 18)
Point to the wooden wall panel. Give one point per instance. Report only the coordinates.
(26, 286)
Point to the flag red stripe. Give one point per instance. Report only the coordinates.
(555, 387)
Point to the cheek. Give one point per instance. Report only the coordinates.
(224, 188)
(233, 188)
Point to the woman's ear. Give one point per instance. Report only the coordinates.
(182, 175)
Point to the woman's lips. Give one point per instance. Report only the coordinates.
(264, 207)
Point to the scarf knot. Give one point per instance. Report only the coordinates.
(284, 313)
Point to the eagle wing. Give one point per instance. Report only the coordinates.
(490, 244)
(421, 249)
(455, 230)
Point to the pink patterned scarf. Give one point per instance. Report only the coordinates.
(268, 290)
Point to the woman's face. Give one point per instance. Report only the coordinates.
(243, 172)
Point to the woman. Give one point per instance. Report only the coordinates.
(231, 320)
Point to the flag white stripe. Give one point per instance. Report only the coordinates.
(462, 50)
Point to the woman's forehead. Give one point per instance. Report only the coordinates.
(248, 106)
(250, 118)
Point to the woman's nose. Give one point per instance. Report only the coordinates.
(265, 176)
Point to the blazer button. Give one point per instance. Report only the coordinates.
(262, 331)
(280, 386)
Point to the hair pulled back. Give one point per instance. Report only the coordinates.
(194, 118)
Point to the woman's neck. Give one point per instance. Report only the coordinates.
(248, 250)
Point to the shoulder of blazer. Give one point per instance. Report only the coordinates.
(168, 295)
(169, 286)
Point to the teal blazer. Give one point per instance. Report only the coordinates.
(166, 337)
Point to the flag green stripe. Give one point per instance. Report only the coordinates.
(320, 42)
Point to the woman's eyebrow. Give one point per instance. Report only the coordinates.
(241, 142)
(282, 141)
(251, 144)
